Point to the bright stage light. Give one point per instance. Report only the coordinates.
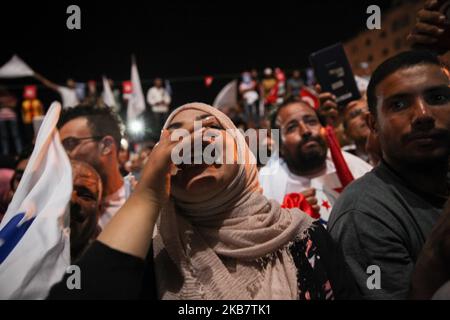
(136, 127)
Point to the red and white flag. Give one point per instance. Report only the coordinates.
(309, 97)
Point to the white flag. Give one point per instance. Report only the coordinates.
(136, 104)
(108, 96)
(361, 83)
(15, 68)
(227, 96)
(34, 234)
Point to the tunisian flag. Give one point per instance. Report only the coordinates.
(342, 170)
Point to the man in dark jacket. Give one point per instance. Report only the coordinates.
(382, 220)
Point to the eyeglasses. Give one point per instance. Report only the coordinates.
(71, 142)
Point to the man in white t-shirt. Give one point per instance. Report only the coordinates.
(159, 100)
(68, 94)
(92, 134)
(248, 89)
(305, 165)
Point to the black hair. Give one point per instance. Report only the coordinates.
(102, 121)
(24, 154)
(7, 162)
(290, 100)
(402, 60)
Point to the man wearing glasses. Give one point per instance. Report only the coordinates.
(93, 135)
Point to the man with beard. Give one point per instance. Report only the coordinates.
(93, 134)
(305, 165)
(85, 206)
(383, 219)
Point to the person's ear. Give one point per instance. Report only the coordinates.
(107, 145)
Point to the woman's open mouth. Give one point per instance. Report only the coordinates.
(199, 158)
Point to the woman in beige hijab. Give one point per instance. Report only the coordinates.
(215, 236)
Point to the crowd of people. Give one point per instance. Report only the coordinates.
(347, 189)
(20, 117)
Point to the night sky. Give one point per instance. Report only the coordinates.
(177, 40)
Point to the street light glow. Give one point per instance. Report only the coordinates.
(136, 127)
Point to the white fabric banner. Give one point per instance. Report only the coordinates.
(108, 96)
(136, 104)
(227, 97)
(35, 234)
(15, 68)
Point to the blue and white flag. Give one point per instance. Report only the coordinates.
(35, 233)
